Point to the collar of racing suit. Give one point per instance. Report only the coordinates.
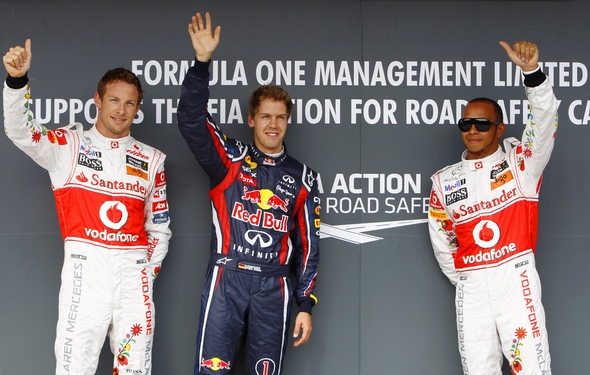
(488, 161)
(261, 157)
(109, 143)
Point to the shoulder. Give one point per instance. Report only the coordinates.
(453, 169)
(144, 148)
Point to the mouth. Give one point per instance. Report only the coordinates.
(119, 120)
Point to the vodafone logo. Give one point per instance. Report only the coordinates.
(486, 234)
(113, 214)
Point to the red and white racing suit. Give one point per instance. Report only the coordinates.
(111, 202)
(483, 227)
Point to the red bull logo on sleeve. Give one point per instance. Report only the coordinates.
(215, 364)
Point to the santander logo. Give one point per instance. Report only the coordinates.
(486, 234)
(113, 214)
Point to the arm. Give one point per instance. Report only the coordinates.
(442, 234)
(156, 223)
(538, 138)
(212, 149)
(305, 238)
(46, 147)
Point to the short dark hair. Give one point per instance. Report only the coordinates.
(497, 109)
(272, 92)
(119, 74)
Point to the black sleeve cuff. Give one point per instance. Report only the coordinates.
(534, 79)
(17, 82)
(306, 305)
(201, 69)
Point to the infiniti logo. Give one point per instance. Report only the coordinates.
(264, 239)
(288, 179)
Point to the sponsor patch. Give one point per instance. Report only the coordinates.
(136, 172)
(161, 217)
(501, 179)
(159, 206)
(161, 179)
(455, 185)
(456, 196)
(89, 163)
(248, 180)
(436, 214)
(57, 136)
(496, 170)
(251, 163)
(249, 267)
(160, 193)
(136, 163)
(435, 202)
(215, 364)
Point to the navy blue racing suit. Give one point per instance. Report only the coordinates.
(266, 220)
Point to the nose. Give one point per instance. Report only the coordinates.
(473, 129)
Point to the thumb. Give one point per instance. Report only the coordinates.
(296, 330)
(506, 47)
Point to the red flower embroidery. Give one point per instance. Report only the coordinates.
(136, 330)
(446, 225)
(36, 136)
(516, 366)
(520, 333)
(122, 359)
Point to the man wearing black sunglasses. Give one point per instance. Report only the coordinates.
(483, 227)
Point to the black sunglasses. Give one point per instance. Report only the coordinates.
(481, 124)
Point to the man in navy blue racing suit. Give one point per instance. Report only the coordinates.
(265, 220)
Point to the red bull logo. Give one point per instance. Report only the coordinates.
(253, 196)
(260, 219)
(265, 199)
(215, 364)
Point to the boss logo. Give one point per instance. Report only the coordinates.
(455, 196)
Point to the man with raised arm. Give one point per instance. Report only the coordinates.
(266, 220)
(110, 193)
(483, 227)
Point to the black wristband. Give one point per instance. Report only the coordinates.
(534, 79)
(17, 82)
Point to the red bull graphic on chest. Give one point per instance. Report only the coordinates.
(266, 200)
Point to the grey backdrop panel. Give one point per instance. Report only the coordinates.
(385, 308)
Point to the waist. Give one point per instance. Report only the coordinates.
(240, 265)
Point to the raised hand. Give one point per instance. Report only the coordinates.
(204, 41)
(524, 54)
(17, 60)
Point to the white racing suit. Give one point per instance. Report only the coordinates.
(111, 203)
(483, 227)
